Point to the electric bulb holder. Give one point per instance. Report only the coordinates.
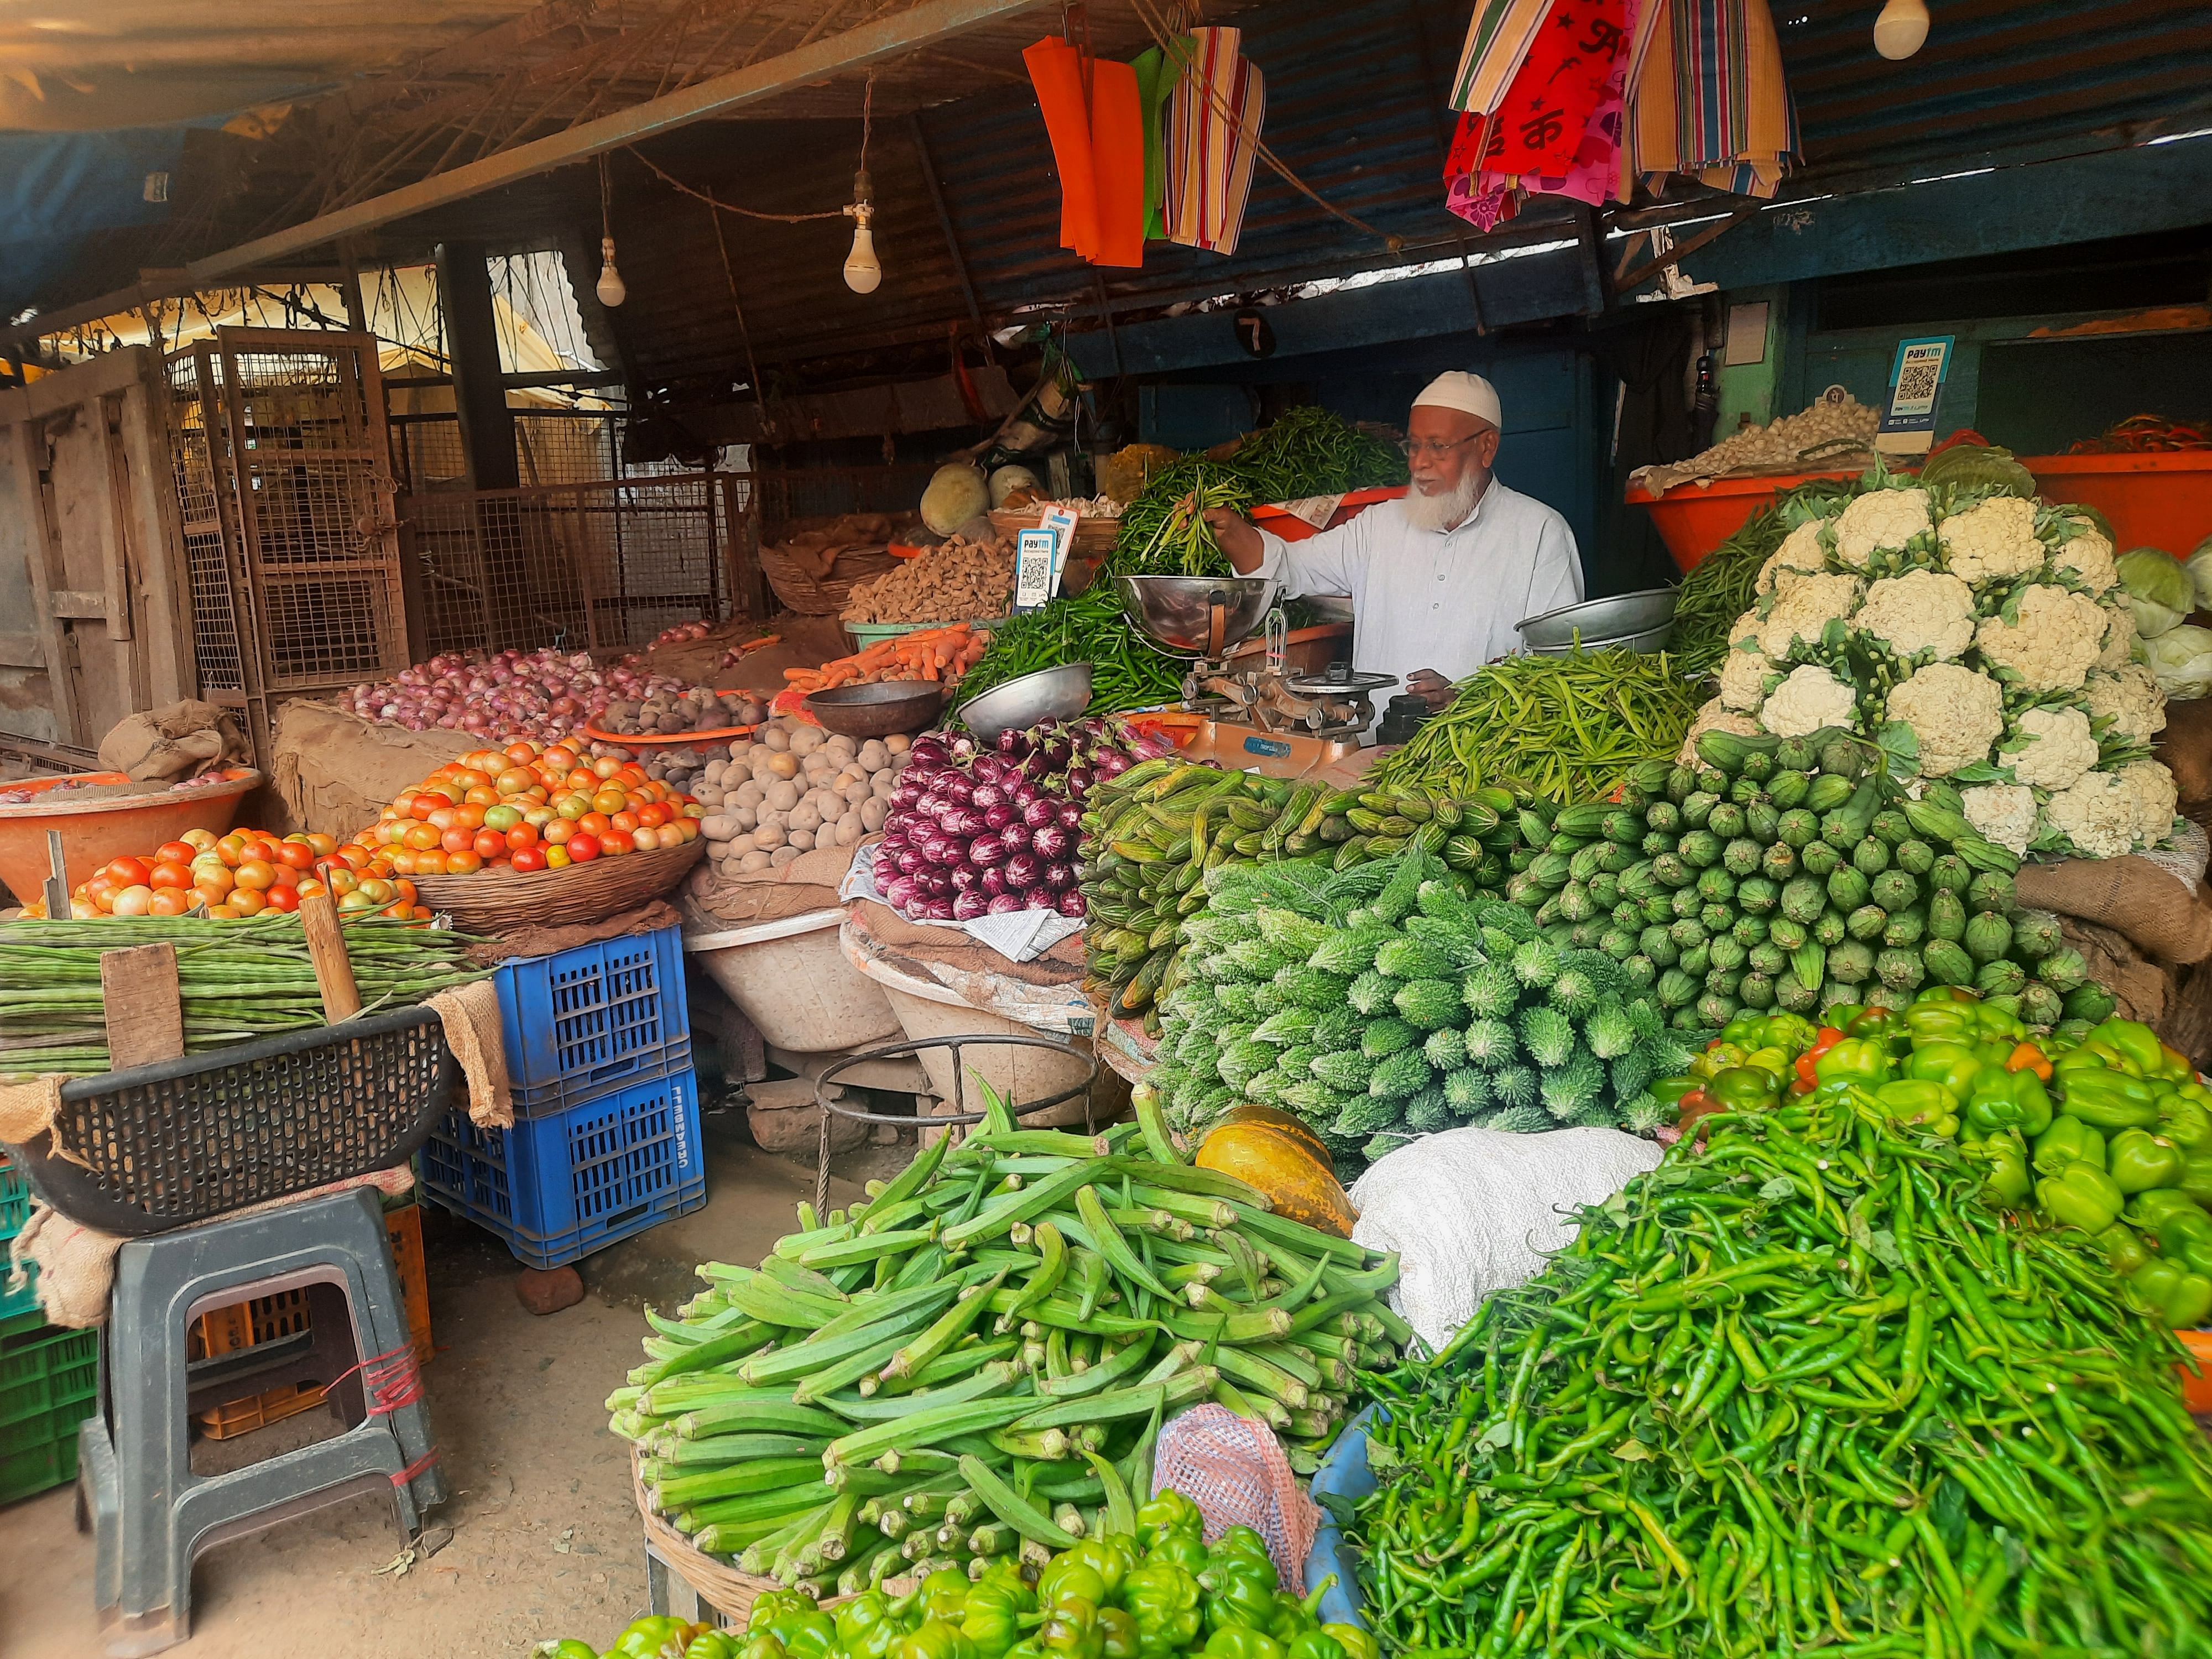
(610, 288)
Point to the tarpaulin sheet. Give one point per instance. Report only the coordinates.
(57, 188)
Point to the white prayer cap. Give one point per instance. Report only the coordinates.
(1469, 393)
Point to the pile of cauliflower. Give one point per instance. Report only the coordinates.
(1993, 627)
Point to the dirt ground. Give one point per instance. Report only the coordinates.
(545, 1537)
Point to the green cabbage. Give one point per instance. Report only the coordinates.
(2159, 589)
(2181, 660)
(2200, 572)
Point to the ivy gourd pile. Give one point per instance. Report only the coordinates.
(1810, 1390)
(1395, 999)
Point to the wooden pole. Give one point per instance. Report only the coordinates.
(326, 949)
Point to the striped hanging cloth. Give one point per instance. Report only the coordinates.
(1213, 131)
(1708, 99)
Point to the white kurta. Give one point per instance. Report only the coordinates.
(1429, 598)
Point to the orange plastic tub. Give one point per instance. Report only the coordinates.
(1694, 520)
(2162, 500)
(1291, 528)
(107, 827)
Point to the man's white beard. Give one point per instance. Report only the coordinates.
(1449, 510)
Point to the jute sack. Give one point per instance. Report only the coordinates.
(2156, 899)
(334, 771)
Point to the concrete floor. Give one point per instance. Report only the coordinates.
(544, 1536)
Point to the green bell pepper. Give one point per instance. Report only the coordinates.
(1111, 1560)
(1118, 1633)
(2123, 1248)
(2183, 1119)
(2196, 1176)
(1930, 1105)
(2184, 1235)
(1952, 1064)
(1071, 1631)
(867, 1629)
(1854, 1059)
(1169, 1512)
(2081, 1195)
(1716, 1059)
(1072, 1582)
(1939, 1021)
(993, 1617)
(1241, 1642)
(2106, 1099)
(1744, 1089)
(765, 1646)
(1165, 1599)
(772, 1605)
(2008, 1176)
(1316, 1643)
(807, 1635)
(1999, 1099)
(2067, 1140)
(945, 1595)
(1357, 1642)
(2135, 1042)
(643, 1636)
(1240, 1585)
(2178, 1295)
(2148, 1210)
(2139, 1161)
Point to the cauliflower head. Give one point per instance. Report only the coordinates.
(2132, 696)
(2054, 644)
(1713, 717)
(1800, 555)
(1881, 518)
(1919, 611)
(1994, 541)
(2152, 788)
(2098, 814)
(2060, 750)
(1809, 699)
(1955, 712)
(2088, 559)
(2002, 812)
(2120, 637)
(1744, 678)
(1809, 606)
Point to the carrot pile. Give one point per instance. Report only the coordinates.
(928, 653)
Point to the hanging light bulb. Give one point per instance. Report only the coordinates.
(864, 274)
(611, 289)
(1901, 29)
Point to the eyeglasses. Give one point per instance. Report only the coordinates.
(1415, 450)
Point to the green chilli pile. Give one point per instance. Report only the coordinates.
(1807, 1391)
(1793, 873)
(239, 980)
(1126, 671)
(1565, 728)
(1152, 832)
(982, 1354)
(1394, 1000)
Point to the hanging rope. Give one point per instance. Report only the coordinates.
(745, 334)
(720, 206)
(1180, 54)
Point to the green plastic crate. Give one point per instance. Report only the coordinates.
(49, 1384)
(19, 1309)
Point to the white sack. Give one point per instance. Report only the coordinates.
(1474, 1211)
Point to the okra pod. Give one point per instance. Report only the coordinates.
(1011, 1508)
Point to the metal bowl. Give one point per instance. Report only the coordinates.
(877, 709)
(1195, 616)
(1616, 621)
(1062, 693)
(1651, 640)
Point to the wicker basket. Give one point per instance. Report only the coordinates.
(498, 899)
(797, 588)
(1092, 535)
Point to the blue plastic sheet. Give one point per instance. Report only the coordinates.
(58, 188)
(1343, 1473)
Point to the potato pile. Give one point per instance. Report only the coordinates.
(699, 709)
(791, 789)
(959, 579)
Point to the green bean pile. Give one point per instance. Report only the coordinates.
(1713, 596)
(1163, 531)
(1309, 452)
(239, 980)
(1126, 670)
(1566, 728)
(1809, 1391)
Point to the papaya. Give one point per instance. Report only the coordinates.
(1284, 1159)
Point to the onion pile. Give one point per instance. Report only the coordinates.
(508, 695)
(977, 829)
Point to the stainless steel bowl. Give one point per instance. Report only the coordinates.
(1061, 693)
(1196, 615)
(1651, 640)
(1616, 621)
(876, 710)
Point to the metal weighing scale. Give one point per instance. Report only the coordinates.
(1266, 718)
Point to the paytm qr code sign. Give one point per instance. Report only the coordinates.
(1915, 383)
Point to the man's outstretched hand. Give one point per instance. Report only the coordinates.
(1429, 687)
(1237, 537)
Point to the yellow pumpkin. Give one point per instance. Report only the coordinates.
(1272, 1151)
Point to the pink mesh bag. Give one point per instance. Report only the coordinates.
(1235, 1471)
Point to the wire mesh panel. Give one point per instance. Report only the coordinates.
(198, 453)
(586, 566)
(551, 445)
(313, 487)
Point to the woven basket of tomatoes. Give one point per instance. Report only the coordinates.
(239, 874)
(535, 833)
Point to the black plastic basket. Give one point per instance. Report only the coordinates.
(187, 1140)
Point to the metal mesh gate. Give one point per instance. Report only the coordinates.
(604, 564)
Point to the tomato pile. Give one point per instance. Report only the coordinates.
(240, 874)
(526, 807)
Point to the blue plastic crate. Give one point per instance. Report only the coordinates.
(558, 1187)
(579, 1022)
(18, 1308)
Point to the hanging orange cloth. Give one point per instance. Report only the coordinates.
(1098, 147)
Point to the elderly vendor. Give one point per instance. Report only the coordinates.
(1438, 577)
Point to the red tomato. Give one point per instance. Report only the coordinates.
(583, 845)
(463, 864)
(176, 852)
(558, 831)
(295, 855)
(457, 839)
(169, 874)
(625, 820)
(616, 840)
(128, 872)
(488, 843)
(522, 835)
(284, 898)
(522, 753)
(528, 859)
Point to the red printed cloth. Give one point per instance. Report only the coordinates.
(1557, 130)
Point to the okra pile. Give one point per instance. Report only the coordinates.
(975, 1363)
(1809, 1389)
(1796, 872)
(1152, 833)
